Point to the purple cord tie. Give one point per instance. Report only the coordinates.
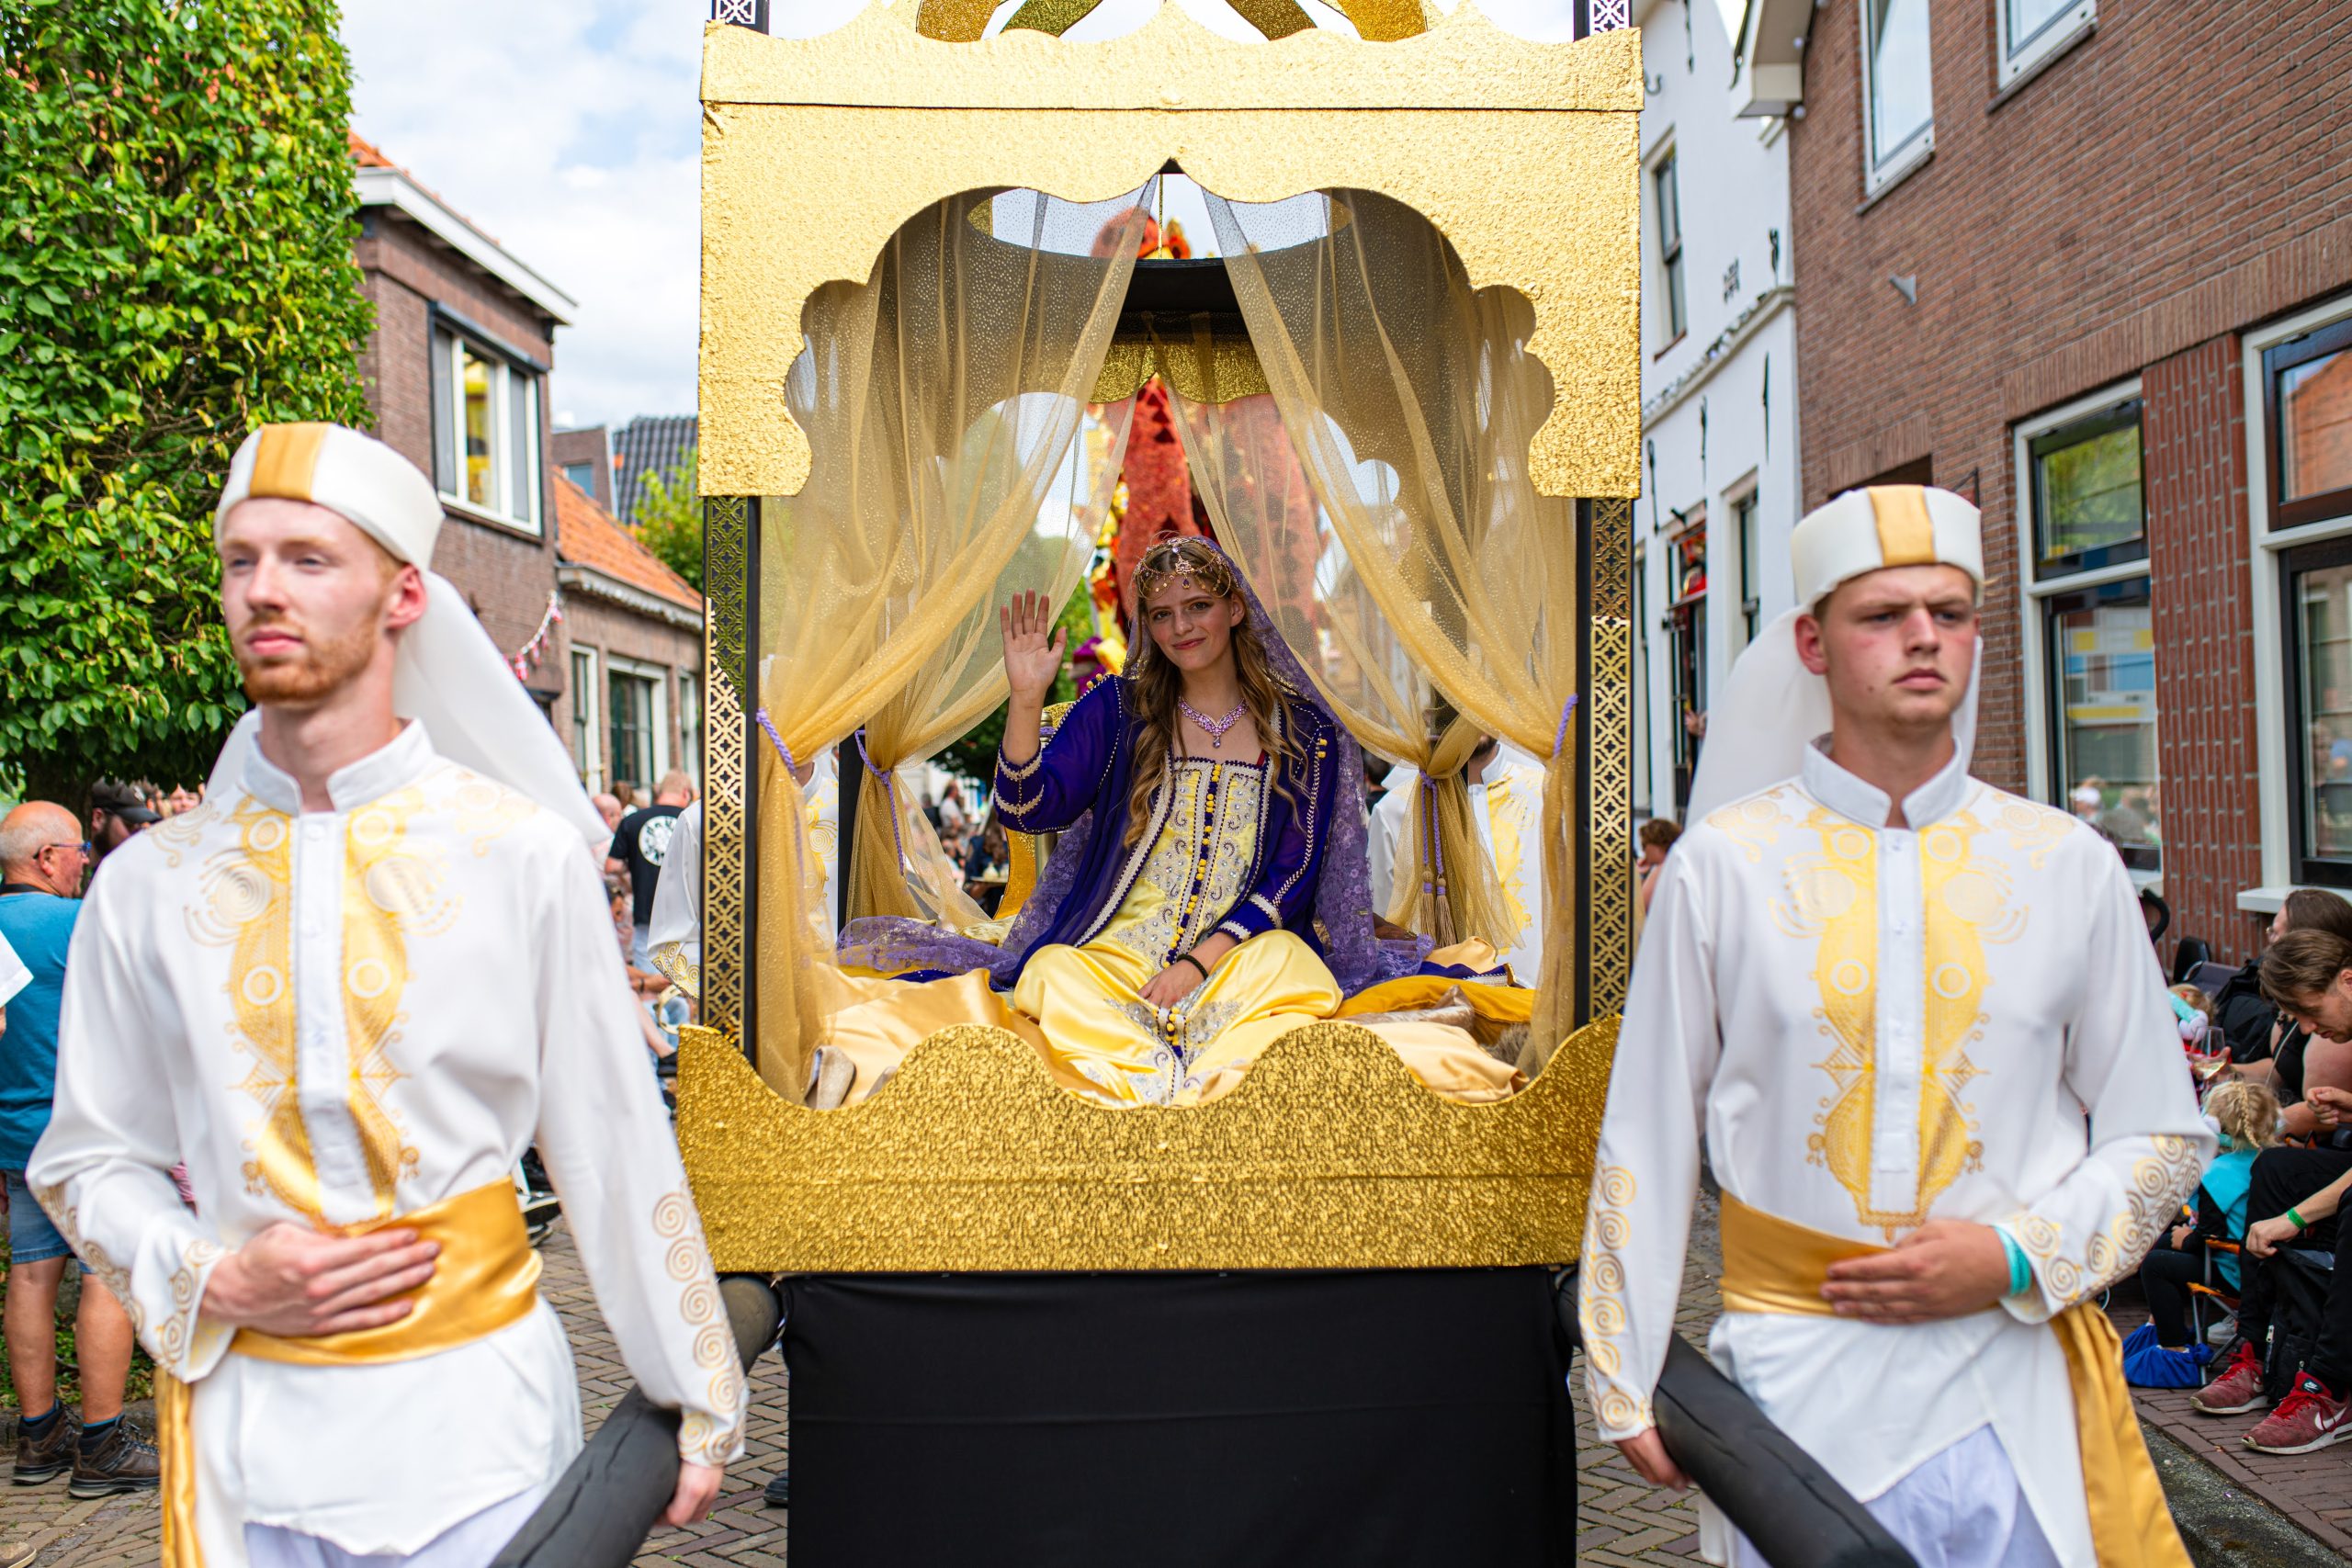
(1561, 739)
(891, 793)
(781, 749)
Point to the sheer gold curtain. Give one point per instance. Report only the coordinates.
(939, 397)
(1256, 493)
(1411, 398)
(897, 866)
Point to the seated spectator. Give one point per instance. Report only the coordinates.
(1657, 837)
(2308, 974)
(2247, 1020)
(2164, 1353)
(985, 867)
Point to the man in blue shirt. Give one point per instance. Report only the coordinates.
(42, 858)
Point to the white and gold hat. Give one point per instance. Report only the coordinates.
(448, 675)
(1771, 708)
(1884, 525)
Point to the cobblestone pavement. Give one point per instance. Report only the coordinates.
(1621, 1519)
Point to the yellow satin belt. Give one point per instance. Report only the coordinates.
(485, 1278)
(1772, 1265)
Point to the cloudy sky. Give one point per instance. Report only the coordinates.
(568, 130)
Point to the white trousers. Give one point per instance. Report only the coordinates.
(469, 1543)
(1962, 1508)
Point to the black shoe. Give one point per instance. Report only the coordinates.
(122, 1462)
(46, 1459)
(779, 1492)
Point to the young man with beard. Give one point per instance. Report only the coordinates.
(347, 991)
(1884, 994)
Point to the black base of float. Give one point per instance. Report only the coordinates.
(1363, 1418)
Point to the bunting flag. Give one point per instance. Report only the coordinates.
(525, 660)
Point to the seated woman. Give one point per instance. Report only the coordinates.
(1208, 894)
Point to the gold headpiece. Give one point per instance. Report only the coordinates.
(1189, 558)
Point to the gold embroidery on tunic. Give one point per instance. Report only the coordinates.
(2031, 827)
(389, 891)
(1503, 821)
(1753, 824)
(1600, 1310)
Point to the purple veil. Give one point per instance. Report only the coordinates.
(1343, 912)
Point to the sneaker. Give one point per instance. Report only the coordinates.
(2237, 1390)
(46, 1459)
(2309, 1417)
(123, 1461)
(17, 1551)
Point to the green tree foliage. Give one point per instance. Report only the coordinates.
(176, 267)
(669, 519)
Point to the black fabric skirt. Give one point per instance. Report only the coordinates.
(1349, 1417)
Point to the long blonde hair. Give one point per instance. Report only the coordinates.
(2246, 1112)
(1155, 684)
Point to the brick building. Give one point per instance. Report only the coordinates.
(457, 372)
(632, 650)
(2089, 262)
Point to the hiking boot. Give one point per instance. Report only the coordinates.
(46, 1459)
(122, 1462)
(2309, 1417)
(2237, 1390)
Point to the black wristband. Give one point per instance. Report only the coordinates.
(1188, 958)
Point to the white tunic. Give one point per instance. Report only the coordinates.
(674, 936)
(1507, 807)
(1873, 1027)
(340, 1015)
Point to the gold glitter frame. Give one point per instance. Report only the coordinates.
(1525, 156)
(726, 730)
(1609, 773)
(1328, 1156)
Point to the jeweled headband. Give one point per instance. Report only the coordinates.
(1190, 559)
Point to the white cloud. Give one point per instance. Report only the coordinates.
(569, 129)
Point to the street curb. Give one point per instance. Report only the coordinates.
(2220, 1523)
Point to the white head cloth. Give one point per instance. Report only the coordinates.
(449, 675)
(1771, 708)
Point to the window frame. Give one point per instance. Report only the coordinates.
(2019, 58)
(690, 722)
(1748, 534)
(2145, 861)
(2043, 714)
(2049, 437)
(1882, 168)
(657, 721)
(1666, 189)
(587, 717)
(446, 345)
(2308, 869)
(1683, 747)
(2288, 353)
(1643, 795)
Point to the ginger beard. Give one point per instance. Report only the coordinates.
(308, 599)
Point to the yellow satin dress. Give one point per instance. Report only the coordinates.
(1101, 1037)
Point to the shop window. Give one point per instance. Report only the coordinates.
(2317, 582)
(2089, 510)
(2100, 655)
(1899, 113)
(1687, 639)
(1666, 183)
(2308, 398)
(485, 430)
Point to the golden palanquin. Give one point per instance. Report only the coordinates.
(1524, 156)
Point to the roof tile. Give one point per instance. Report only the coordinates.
(587, 535)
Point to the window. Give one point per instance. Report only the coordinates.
(583, 718)
(1686, 618)
(2308, 393)
(2090, 634)
(485, 430)
(633, 697)
(2102, 664)
(690, 720)
(2317, 581)
(1669, 245)
(1751, 600)
(581, 474)
(2089, 508)
(1641, 672)
(2033, 30)
(1900, 113)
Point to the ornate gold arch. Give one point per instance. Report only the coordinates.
(1524, 155)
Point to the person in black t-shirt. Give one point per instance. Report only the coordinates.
(640, 844)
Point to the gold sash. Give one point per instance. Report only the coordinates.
(486, 1278)
(1778, 1266)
